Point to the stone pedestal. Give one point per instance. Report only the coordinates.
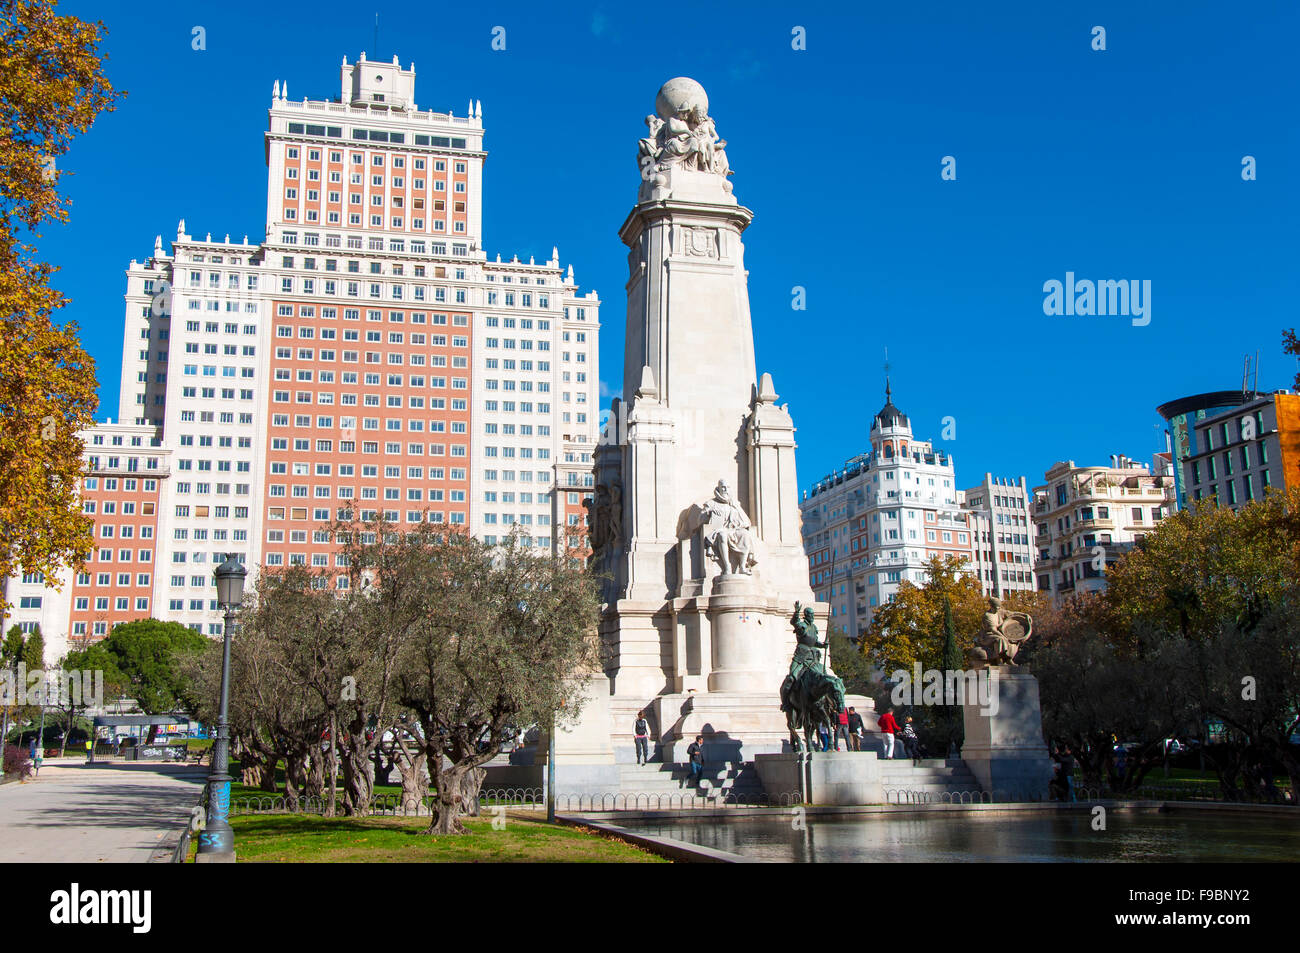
(732, 619)
(1004, 746)
(828, 777)
(584, 754)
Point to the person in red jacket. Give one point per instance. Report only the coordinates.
(888, 727)
(842, 730)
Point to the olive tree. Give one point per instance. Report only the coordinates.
(506, 636)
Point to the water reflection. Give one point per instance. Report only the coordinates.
(946, 838)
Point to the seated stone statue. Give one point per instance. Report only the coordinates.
(1000, 636)
(727, 532)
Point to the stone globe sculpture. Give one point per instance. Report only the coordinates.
(681, 97)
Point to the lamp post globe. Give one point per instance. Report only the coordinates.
(230, 583)
(217, 841)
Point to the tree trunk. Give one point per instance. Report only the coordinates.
(315, 783)
(72, 720)
(470, 784)
(415, 781)
(358, 781)
(295, 779)
(332, 767)
(446, 817)
(383, 767)
(268, 773)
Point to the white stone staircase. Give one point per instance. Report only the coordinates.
(719, 780)
(937, 779)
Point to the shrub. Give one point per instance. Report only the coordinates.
(16, 762)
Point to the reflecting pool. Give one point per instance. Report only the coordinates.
(973, 837)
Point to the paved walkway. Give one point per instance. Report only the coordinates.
(115, 812)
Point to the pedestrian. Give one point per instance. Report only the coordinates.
(842, 730)
(823, 737)
(856, 729)
(911, 743)
(90, 751)
(1066, 760)
(696, 753)
(642, 733)
(888, 728)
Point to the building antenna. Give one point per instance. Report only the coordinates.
(1255, 386)
(375, 50)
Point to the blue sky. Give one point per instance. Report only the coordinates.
(1117, 164)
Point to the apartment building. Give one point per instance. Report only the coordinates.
(1085, 517)
(367, 350)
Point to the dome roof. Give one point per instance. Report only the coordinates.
(889, 415)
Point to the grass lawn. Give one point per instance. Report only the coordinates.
(299, 838)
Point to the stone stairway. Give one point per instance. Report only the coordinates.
(930, 778)
(718, 780)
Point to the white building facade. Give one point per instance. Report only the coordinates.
(872, 525)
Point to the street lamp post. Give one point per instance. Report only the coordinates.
(217, 842)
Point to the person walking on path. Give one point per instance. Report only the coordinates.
(642, 733)
(888, 727)
(856, 729)
(696, 753)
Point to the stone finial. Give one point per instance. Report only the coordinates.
(478, 109)
(647, 387)
(569, 277)
(345, 59)
(180, 229)
(766, 389)
(284, 90)
(531, 261)
(555, 253)
(275, 90)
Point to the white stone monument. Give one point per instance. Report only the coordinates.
(695, 518)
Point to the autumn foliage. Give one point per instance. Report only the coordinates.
(51, 89)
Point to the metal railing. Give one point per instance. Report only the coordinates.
(1085, 794)
(534, 798)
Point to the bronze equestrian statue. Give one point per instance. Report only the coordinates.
(810, 696)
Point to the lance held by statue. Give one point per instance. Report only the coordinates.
(810, 696)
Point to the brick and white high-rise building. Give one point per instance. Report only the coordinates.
(366, 349)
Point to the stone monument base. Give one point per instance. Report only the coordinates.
(736, 726)
(1004, 747)
(828, 777)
